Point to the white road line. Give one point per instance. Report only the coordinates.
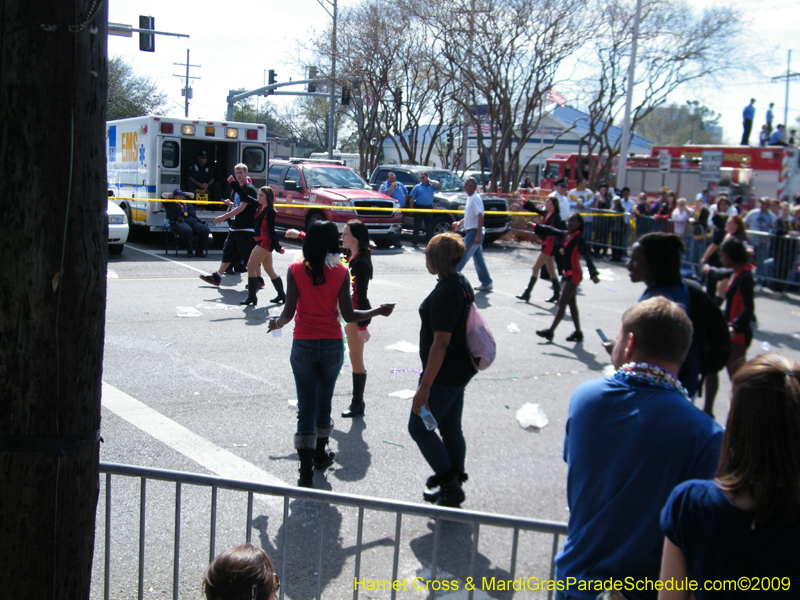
(166, 258)
(217, 460)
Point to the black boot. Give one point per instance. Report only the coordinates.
(556, 291)
(277, 283)
(322, 458)
(434, 482)
(526, 295)
(304, 443)
(357, 404)
(252, 288)
(450, 492)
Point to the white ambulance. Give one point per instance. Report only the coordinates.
(147, 156)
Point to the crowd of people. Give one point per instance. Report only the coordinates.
(655, 486)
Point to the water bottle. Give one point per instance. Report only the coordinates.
(765, 346)
(428, 418)
(276, 313)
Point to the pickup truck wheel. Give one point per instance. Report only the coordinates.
(491, 238)
(441, 225)
(313, 218)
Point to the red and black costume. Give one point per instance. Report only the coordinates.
(265, 229)
(573, 248)
(360, 274)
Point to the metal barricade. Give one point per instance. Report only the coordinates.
(454, 544)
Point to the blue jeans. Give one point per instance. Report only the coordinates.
(446, 403)
(475, 251)
(316, 365)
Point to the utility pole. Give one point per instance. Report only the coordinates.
(187, 91)
(331, 116)
(789, 75)
(622, 169)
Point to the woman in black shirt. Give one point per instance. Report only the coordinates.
(355, 241)
(446, 369)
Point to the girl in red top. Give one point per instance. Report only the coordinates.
(317, 289)
(574, 247)
(355, 240)
(266, 244)
(739, 297)
(551, 219)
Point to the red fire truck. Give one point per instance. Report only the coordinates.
(748, 172)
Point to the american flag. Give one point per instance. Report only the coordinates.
(554, 96)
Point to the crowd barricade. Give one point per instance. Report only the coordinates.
(185, 519)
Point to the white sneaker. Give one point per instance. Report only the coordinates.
(484, 288)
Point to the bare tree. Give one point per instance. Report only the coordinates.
(399, 87)
(54, 251)
(504, 54)
(676, 46)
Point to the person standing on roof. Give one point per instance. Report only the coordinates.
(748, 114)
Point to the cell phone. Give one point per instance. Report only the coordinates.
(602, 336)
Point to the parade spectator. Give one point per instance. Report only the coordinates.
(748, 114)
(656, 261)
(201, 177)
(641, 214)
(783, 250)
(574, 246)
(447, 368)
(560, 190)
(473, 225)
(602, 201)
(526, 187)
(763, 136)
(395, 189)
(183, 219)
(760, 220)
(627, 202)
(723, 206)
(318, 291)
(778, 137)
(422, 197)
(243, 572)
(630, 439)
(619, 230)
(241, 237)
(355, 241)
(581, 199)
(744, 524)
(546, 256)
(770, 118)
(680, 217)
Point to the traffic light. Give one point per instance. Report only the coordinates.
(312, 74)
(398, 97)
(345, 96)
(272, 76)
(147, 41)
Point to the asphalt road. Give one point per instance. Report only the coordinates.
(194, 383)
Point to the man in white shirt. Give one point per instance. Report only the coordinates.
(581, 199)
(473, 224)
(560, 189)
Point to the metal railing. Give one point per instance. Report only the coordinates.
(326, 501)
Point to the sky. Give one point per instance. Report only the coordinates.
(237, 48)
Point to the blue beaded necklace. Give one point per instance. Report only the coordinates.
(654, 375)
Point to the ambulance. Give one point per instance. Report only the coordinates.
(147, 156)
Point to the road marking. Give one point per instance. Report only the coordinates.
(166, 258)
(208, 455)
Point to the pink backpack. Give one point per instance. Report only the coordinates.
(480, 341)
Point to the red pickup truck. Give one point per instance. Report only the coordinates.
(310, 186)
